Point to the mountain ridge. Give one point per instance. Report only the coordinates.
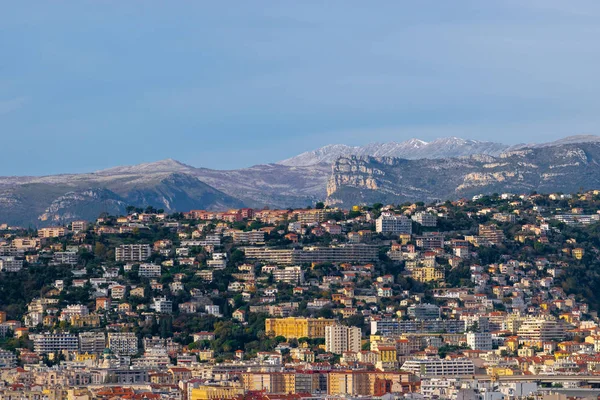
(564, 167)
(413, 149)
(176, 186)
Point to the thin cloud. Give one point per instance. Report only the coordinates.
(12, 105)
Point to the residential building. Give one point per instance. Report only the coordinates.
(535, 331)
(149, 270)
(439, 367)
(430, 241)
(294, 328)
(479, 341)
(162, 305)
(250, 237)
(341, 338)
(491, 233)
(79, 226)
(291, 275)
(65, 258)
(123, 343)
(396, 327)
(359, 253)
(92, 342)
(213, 309)
(424, 311)
(428, 274)
(52, 232)
(133, 252)
(8, 359)
(394, 224)
(73, 310)
(424, 219)
(10, 264)
(45, 343)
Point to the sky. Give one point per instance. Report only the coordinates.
(87, 85)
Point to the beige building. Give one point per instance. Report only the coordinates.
(52, 232)
(340, 338)
(535, 332)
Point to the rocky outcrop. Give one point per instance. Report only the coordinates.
(563, 167)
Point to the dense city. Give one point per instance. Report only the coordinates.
(490, 298)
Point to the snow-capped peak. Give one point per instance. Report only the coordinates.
(410, 149)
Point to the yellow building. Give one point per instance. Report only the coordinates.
(512, 343)
(567, 317)
(83, 357)
(561, 354)
(428, 274)
(206, 355)
(578, 253)
(387, 354)
(499, 371)
(80, 321)
(216, 392)
(294, 328)
(404, 238)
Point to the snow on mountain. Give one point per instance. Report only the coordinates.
(168, 165)
(411, 149)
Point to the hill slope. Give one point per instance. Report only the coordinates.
(565, 168)
(63, 198)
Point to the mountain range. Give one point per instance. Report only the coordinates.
(338, 174)
(415, 149)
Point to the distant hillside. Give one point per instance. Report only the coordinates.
(166, 184)
(63, 198)
(566, 168)
(333, 173)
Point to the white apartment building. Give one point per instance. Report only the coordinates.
(536, 331)
(425, 219)
(74, 310)
(45, 343)
(479, 341)
(149, 270)
(391, 223)
(10, 264)
(123, 343)
(213, 310)
(216, 264)
(162, 305)
(132, 252)
(251, 237)
(292, 275)
(341, 338)
(64, 258)
(439, 367)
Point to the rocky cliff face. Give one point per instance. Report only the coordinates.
(566, 168)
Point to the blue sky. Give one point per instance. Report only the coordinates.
(86, 85)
